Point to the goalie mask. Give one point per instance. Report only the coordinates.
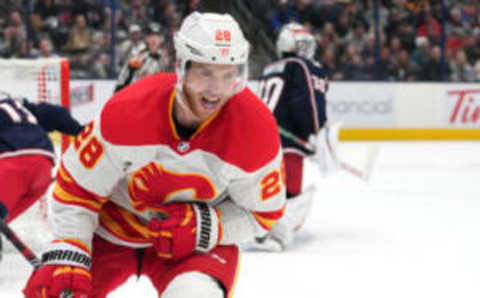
(295, 38)
(213, 39)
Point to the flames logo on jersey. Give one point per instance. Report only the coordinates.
(153, 186)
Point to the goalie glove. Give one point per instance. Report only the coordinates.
(325, 143)
(183, 228)
(65, 269)
(282, 235)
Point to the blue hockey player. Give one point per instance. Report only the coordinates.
(26, 152)
(294, 89)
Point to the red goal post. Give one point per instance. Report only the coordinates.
(44, 79)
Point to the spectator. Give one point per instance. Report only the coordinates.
(404, 69)
(455, 21)
(326, 11)
(385, 67)
(472, 48)
(335, 23)
(79, 40)
(430, 28)
(434, 69)
(343, 24)
(93, 11)
(25, 51)
(14, 34)
(328, 36)
(422, 52)
(45, 49)
(462, 71)
(456, 41)
(101, 66)
(395, 46)
(146, 60)
(407, 34)
(99, 56)
(329, 62)
(355, 69)
(45, 16)
(291, 11)
(356, 36)
(133, 42)
(476, 69)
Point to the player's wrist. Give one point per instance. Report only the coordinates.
(208, 227)
(69, 252)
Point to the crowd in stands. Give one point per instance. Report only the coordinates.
(409, 45)
(82, 31)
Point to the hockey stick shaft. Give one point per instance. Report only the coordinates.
(299, 141)
(26, 252)
(307, 146)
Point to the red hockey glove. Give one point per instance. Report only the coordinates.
(66, 269)
(55, 280)
(186, 227)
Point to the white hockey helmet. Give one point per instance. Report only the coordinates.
(211, 38)
(295, 38)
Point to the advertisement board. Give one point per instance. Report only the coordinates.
(368, 110)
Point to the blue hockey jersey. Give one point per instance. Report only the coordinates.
(24, 126)
(294, 89)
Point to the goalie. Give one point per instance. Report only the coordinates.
(294, 89)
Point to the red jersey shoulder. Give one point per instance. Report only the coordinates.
(135, 115)
(252, 131)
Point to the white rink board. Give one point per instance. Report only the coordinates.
(405, 105)
(358, 105)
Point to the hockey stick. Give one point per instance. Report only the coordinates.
(26, 252)
(363, 175)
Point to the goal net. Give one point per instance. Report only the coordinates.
(37, 80)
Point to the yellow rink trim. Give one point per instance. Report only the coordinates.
(410, 134)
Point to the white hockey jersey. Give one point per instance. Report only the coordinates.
(106, 185)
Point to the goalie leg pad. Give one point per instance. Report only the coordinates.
(326, 153)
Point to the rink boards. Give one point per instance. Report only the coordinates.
(406, 111)
(368, 110)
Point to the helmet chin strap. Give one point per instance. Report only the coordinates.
(180, 98)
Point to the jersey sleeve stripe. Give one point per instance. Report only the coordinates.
(64, 196)
(68, 184)
(268, 219)
(117, 229)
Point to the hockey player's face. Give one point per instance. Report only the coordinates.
(208, 86)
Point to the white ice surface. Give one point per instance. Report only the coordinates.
(413, 232)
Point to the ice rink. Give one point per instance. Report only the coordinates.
(413, 232)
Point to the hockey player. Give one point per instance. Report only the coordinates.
(146, 59)
(26, 151)
(173, 173)
(294, 89)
